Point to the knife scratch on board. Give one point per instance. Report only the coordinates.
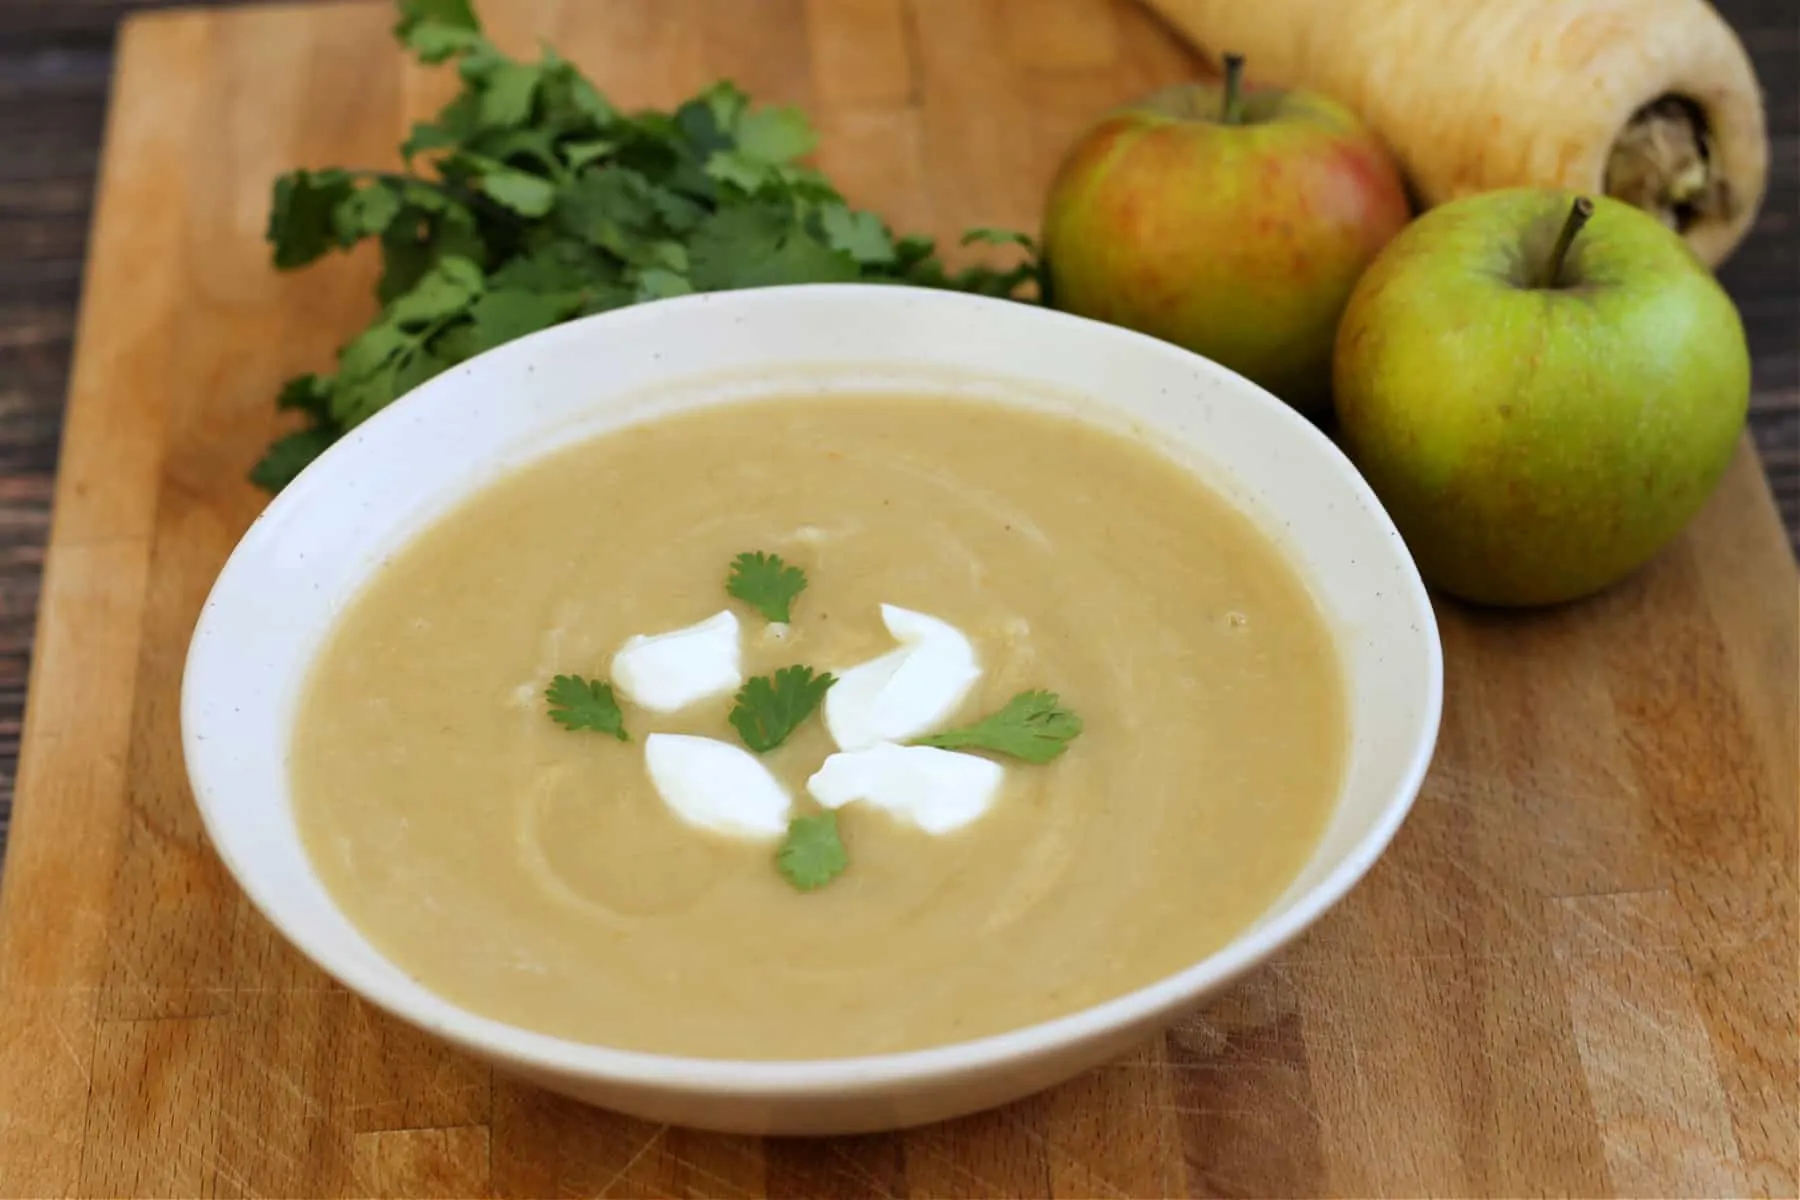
(650, 1142)
(851, 1168)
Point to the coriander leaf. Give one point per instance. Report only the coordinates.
(455, 233)
(577, 703)
(366, 212)
(448, 287)
(742, 171)
(861, 235)
(301, 225)
(456, 122)
(604, 297)
(770, 707)
(501, 316)
(687, 178)
(420, 365)
(506, 100)
(393, 356)
(429, 199)
(425, 232)
(998, 237)
(556, 265)
(458, 14)
(802, 258)
(506, 147)
(586, 99)
(766, 583)
(751, 174)
(657, 135)
(526, 194)
(775, 135)
(1033, 726)
(991, 281)
(806, 187)
(426, 136)
(289, 456)
(308, 393)
(368, 352)
(405, 257)
(916, 263)
(455, 343)
(434, 41)
(609, 207)
(726, 102)
(567, 102)
(580, 154)
(679, 213)
(813, 853)
(664, 253)
(706, 122)
(660, 283)
(356, 398)
(981, 280)
(755, 246)
(913, 249)
(476, 66)
(438, 29)
(667, 254)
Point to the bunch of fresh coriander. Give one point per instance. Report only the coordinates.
(543, 202)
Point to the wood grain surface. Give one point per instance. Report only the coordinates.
(1574, 972)
(55, 64)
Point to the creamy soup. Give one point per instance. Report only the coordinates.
(535, 874)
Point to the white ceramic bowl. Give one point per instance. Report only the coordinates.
(321, 538)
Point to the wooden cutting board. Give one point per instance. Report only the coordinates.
(1574, 972)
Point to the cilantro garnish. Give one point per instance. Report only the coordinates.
(770, 707)
(577, 703)
(530, 200)
(766, 583)
(1033, 726)
(813, 854)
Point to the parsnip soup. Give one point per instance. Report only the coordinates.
(820, 727)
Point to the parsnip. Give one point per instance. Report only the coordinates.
(1651, 101)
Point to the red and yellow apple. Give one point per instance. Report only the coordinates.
(1233, 222)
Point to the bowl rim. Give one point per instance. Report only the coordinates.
(775, 1079)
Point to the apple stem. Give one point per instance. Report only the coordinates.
(1579, 212)
(1233, 113)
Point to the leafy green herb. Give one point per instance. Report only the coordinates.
(770, 707)
(427, 23)
(998, 237)
(289, 456)
(766, 583)
(1033, 726)
(303, 215)
(577, 703)
(530, 200)
(813, 854)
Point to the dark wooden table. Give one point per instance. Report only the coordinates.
(55, 62)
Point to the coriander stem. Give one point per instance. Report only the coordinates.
(1579, 212)
(1233, 112)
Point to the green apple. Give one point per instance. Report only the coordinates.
(1232, 223)
(1542, 389)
